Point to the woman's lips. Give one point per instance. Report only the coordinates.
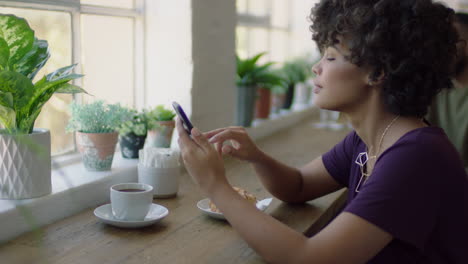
(317, 88)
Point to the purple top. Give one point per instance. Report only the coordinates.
(418, 192)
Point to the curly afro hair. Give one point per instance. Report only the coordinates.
(411, 42)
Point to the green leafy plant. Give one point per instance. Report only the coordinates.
(22, 55)
(159, 113)
(273, 78)
(297, 70)
(97, 117)
(136, 124)
(279, 89)
(249, 73)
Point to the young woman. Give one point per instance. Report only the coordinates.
(383, 62)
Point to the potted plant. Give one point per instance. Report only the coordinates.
(278, 96)
(267, 82)
(132, 134)
(161, 125)
(296, 71)
(303, 90)
(25, 158)
(249, 76)
(95, 125)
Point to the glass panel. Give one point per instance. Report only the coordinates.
(108, 58)
(111, 3)
(279, 46)
(258, 42)
(280, 13)
(241, 42)
(55, 27)
(241, 6)
(258, 7)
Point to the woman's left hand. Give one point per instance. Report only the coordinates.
(201, 159)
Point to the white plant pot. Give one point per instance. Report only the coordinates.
(25, 165)
(301, 96)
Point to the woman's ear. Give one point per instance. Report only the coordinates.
(375, 79)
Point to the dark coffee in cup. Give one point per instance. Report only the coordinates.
(131, 190)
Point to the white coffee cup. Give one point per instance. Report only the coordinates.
(131, 201)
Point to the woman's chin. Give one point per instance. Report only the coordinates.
(320, 103)
(324, 105)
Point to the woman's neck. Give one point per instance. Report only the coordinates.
(372, 126)
(378, 128)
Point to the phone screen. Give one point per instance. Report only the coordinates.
(185, 121)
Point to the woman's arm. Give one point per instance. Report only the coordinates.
(284, 182)
(295, 185)
(347, 239)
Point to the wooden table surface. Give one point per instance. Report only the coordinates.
(185, 235)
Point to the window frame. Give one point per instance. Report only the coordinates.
(76, 9)
(248, 20)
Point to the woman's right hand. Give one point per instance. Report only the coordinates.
(241, 147)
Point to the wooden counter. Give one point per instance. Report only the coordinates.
(185, 235)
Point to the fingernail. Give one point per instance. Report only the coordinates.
(226, 150)
(196, 132)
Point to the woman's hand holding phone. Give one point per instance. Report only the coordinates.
(242, 146)
(201, 160)
(183, 117)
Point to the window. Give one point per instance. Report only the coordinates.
(278, 27)
(111, 3)
(263, 25)
(104, 37)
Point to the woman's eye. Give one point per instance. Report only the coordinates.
(330, 59)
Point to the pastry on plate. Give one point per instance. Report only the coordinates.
(245, 194)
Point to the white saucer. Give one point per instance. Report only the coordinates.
(156, 213)
(204, 206)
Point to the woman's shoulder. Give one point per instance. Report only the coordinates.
(425, 140)
(425, 151)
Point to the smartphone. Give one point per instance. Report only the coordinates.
(185, 121)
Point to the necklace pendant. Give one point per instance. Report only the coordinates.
(361, 182)
(362, 158)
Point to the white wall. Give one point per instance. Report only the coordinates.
(169, 53)
(450, 3)
(457, 5)
(214, 63)
(301, 41)
(191, 58)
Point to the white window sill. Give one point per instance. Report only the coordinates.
(75, 189)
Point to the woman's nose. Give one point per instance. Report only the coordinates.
(316, 68)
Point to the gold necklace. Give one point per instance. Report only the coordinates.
(366, 157)
(381, 139)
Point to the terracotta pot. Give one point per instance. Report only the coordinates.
(97, 149)
(161, 136)
(263, 103)
(25, 165)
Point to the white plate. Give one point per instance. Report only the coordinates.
(156, 213)
(204, 206)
